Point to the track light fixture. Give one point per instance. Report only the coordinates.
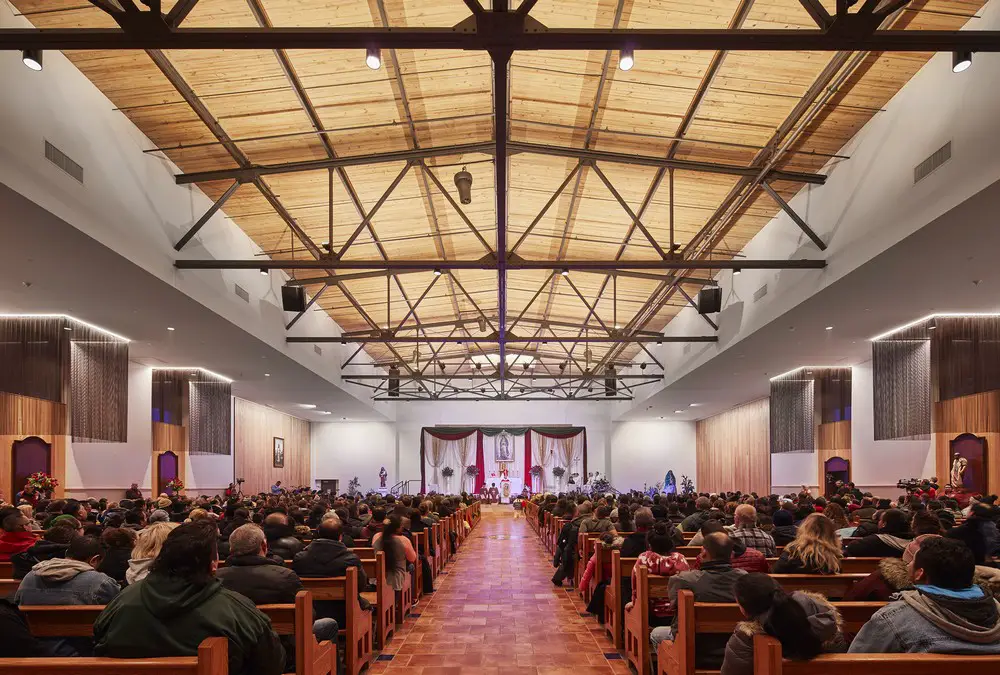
(565, 272)
(32, 58)
(737, 271)
(437, 272)
(373, 58)
(263, 271)
(482, 324)
(960, 61)
(626, 59)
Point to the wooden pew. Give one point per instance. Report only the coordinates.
(859, 565)
(693, 551)
(357, 633)
(768, 661)
(383, 598)
(637, 628)
(419, 541)
(8, 586)
(614, 600)
(6, 570)
(212, 659)
(677, 656)
(584, 549)
(833, 586)
(295, 619)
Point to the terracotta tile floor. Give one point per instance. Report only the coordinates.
(496, 611)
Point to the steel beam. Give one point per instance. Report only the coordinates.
(251, 172)
(179, 12)
(312, 301)
(448, 323)
(661, 162)
(501, 99)
(509, 339)
(219, 203)
(514, 264)
(492, 374)
(500, 36)
(794, 216)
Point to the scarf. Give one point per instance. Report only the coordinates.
(950, 622)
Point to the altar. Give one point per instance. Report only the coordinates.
(508, 485)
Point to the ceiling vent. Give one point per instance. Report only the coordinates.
(926, 167)
(59, 158)
(760, 293)
(317, 350)
(242, 293)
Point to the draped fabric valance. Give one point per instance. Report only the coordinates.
(453, 447)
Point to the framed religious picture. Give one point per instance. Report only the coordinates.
(278, 452)
(503, 448)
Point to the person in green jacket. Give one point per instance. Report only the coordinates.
(181, 603)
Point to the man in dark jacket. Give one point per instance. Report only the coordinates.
(891, 540)
(715, 581)
(181, 603)
(565, 557)
(263, 581)
(281, 540)
(635, 543)
(327, 556)
(784, 531)
(240, 518)
(694, 522)
(52, 545)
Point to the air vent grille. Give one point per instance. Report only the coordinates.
(760, 293)
(317, 350)
(60, 159)
(926, 167)
(242, 293)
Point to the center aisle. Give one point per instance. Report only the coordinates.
(496, 610)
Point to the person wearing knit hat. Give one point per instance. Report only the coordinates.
(163, 503)
(159, 516)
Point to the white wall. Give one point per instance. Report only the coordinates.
(791, 470)
(343, 450)
(877, 465)
(643, 451)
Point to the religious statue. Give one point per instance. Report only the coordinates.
(670, 483)
(504, 473)
(958, 467)
(504, 483)
(382, 475)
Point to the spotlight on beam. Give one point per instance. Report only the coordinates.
(626, 59)
(32, 58)
(960, 61)
(373, 58)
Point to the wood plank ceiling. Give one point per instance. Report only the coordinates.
(421, 99)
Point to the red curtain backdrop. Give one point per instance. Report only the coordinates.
(480, 462)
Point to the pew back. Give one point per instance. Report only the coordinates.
(212, 659)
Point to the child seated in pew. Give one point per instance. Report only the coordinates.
(806, 624)
(659, 558)
(946, 613)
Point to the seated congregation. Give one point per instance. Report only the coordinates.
(703, 582)
(283, 578)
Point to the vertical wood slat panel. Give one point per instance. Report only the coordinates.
(733, 449)
(976, 414)
(254, 429)
(834, 436)
(171, 437)
(23, 416)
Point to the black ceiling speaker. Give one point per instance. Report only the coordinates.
(710, 300)
(610, 382)
(293, 298)
(394, 382)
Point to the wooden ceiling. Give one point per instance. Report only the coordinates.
(424, 99)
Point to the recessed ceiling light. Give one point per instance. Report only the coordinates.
(829, 327)
(171, 328)
(323, 412)
(307, 406)
(693, 405)
(661, 417)
(678, 412)
(344, 418)
(267, 374)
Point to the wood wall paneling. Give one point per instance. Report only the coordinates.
(733, 449)
(254, 429)
(24, 416)
(977, 414)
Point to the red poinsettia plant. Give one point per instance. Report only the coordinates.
(42, 481)
(176, 485)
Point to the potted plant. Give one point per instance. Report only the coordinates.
(558, 472)
(687, 486)
(43, 483)
(472, 471)
(175, 486)
(447, 472)
(353, 487)
(537, 472)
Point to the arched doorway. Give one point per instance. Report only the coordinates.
(28, 456)
(972, 449)
(836, 469)
(167, 469)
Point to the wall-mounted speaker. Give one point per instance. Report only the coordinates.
(710, 300)
(394, 382)
(293, 298)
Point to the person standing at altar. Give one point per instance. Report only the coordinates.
(494, 494)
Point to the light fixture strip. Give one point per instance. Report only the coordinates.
(795, 370)
(68, 318)
(941, 315)
(189, 368)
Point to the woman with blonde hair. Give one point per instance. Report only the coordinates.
(147, 546)
(815, 549)
(836, 513)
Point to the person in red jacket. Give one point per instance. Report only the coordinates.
(17, 536)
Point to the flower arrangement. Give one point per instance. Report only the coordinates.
(687, 486)
(536, 470)
(471, 470)
(42, 482)
(558, 471)
(448, 472)
(600, 486)
(176, 485)
(353, 486)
